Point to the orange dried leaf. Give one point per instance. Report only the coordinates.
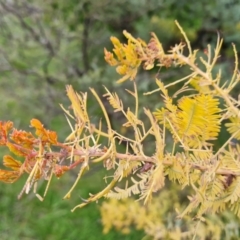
(17, 150)
(52, 136)
(38, 126)
(36, 123)
(25, 139)
(5, 127)
(10, 162)
(44, 134)
(9, 176)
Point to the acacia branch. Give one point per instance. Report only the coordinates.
(96, 153)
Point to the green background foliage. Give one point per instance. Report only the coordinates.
(45, 45)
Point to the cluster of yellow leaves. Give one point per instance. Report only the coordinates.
(194, 121)
(159, 219)
(127, 60)
(130, 56)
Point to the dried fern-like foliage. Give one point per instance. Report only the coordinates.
(193, 122)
